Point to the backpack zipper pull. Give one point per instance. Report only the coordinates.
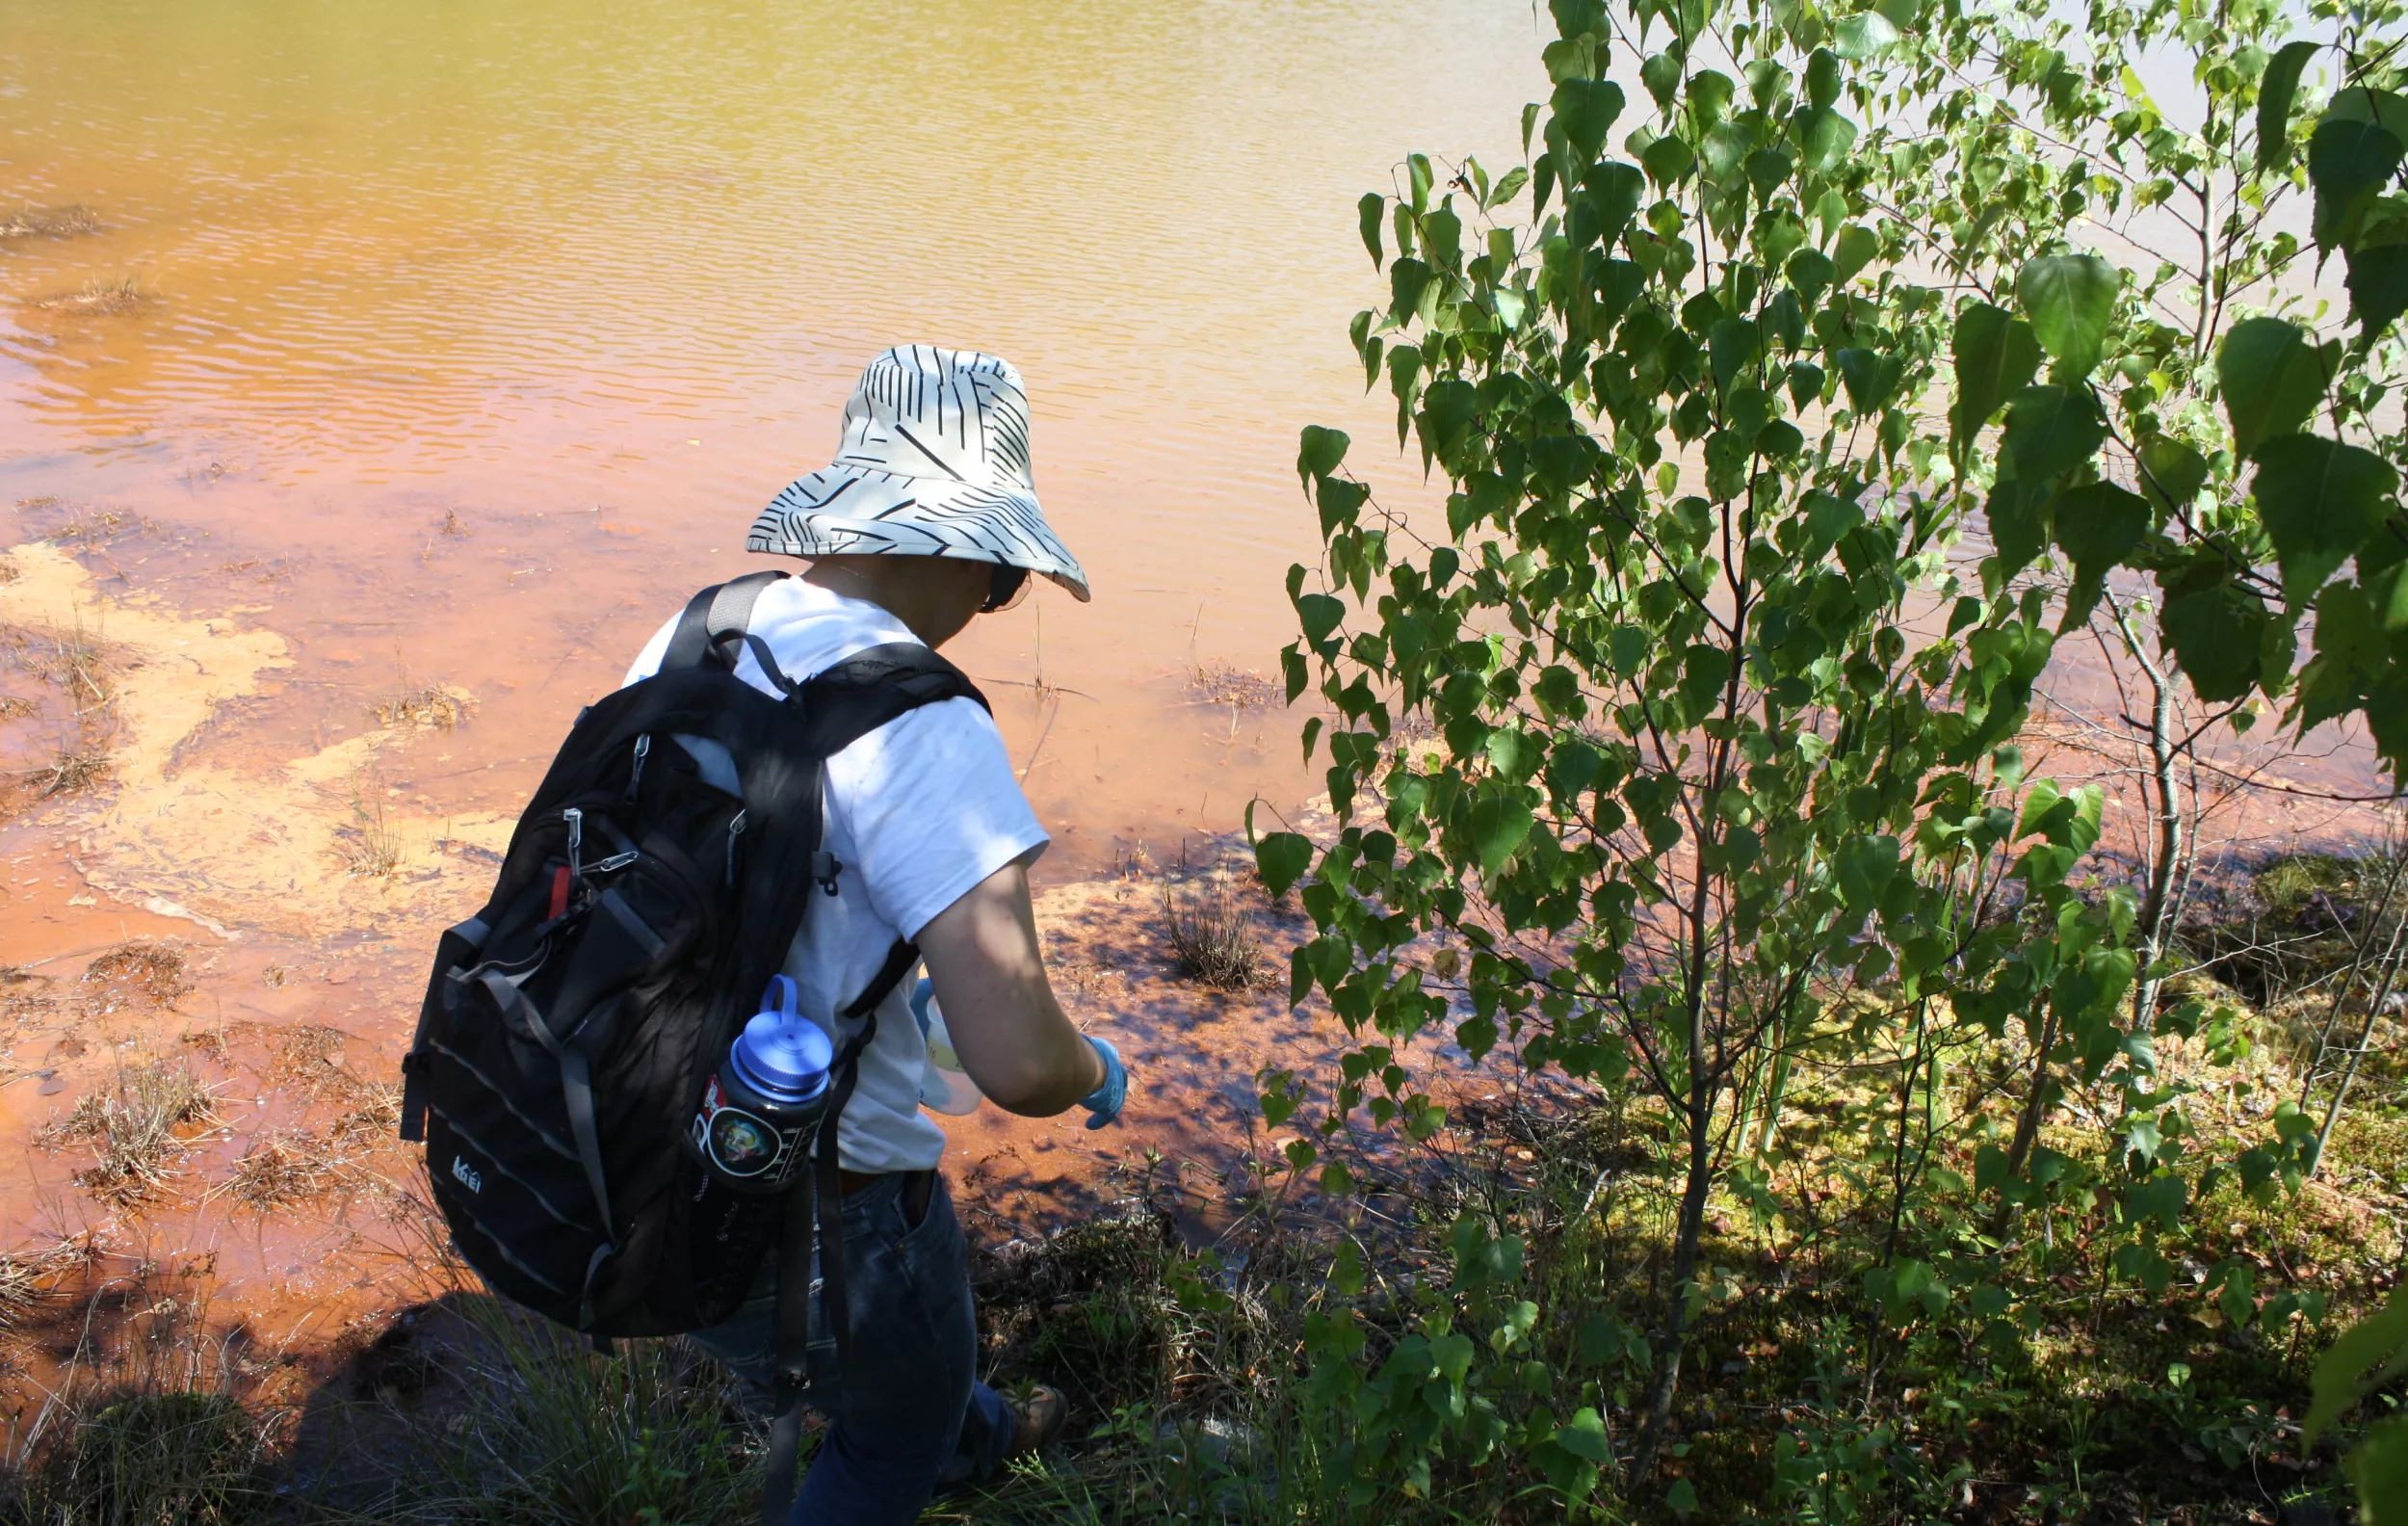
(735, 830)
(635, 780)
(576, 820)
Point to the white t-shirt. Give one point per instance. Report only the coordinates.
(919, 811)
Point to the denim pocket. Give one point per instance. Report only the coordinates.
(935, 1241)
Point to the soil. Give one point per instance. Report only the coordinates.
(255, 901)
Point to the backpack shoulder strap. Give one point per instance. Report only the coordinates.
(717, 615)
(853, 697)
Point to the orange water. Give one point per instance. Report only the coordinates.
(471, 337)
(597, 278)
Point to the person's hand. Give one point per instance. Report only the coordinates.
(1104, 1103)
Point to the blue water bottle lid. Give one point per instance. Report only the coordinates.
(780, 1052)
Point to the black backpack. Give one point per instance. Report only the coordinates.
(570, 1026)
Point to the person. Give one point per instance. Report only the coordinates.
(927, 519)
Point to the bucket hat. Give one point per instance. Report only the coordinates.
(934, 461)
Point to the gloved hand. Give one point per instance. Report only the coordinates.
(1104, 1103)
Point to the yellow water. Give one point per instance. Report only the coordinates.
(622, 262)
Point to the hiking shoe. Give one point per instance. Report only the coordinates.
(1037, 1413)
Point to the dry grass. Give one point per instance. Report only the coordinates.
(136, 1129)
(308, 1063)
(20, 1289)
(28, 1276)
(71, 771)
(101, 527)
(58, 222)
(1225, 686)
(136, 975)
(76, 661)
(371, 846)
(1211, 935)
(16, 708)
(430, 709)
(289, 1166)
(101, 299)
(10, 571)
(374, 1116)
(73, 657)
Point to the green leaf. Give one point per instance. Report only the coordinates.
(1866, 866)
(2172, 472)
(1853, 251)
(2349, 161)
(2361, 1357)
(1281, 859)
(1996, 355)
(1682, 1498)
(2276, 91)
(1320, 615)
(1499, 824)
(2273, 377)
(1870, 378)
(1586, 109)
(1666, 160)
(1823, 138)
(2378, 285)
(2320, 501)
(2217, 636)
(1867, 34)
(1338, 499)
(2378, 1470)
(1320, 454)
(2097, 525)
(2071, 301)
(1372, 211)
(1584, 1435)
(2051, 429)
(1822, 77)
(1661, 75)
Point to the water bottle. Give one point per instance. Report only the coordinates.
(762, 1107)
(944, 1086)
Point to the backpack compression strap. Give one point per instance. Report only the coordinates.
(818, 1201)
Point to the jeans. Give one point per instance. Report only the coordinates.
(914, 1418)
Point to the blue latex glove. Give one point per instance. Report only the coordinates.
(1103, 1104)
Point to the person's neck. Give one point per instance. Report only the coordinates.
(890, 588)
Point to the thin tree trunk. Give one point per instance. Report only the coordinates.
(2165, 860)
(2028, 1124)
(1669, 1341)
(2358, 1051)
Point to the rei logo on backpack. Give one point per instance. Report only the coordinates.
(570, 1027)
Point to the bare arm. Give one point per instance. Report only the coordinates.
(984, 958)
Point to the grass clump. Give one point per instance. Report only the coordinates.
(1226, 686)
(430, 709)
(289, 1166)
(100, 297)
(138, 1127)
(1212, 937)
(552, 1435)
(74, 660)
(371, 846)
(58, 222)
(138, 975)
(172, 1459)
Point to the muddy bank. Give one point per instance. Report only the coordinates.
(215, 936)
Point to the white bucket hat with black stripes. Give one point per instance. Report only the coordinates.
(934, 462)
